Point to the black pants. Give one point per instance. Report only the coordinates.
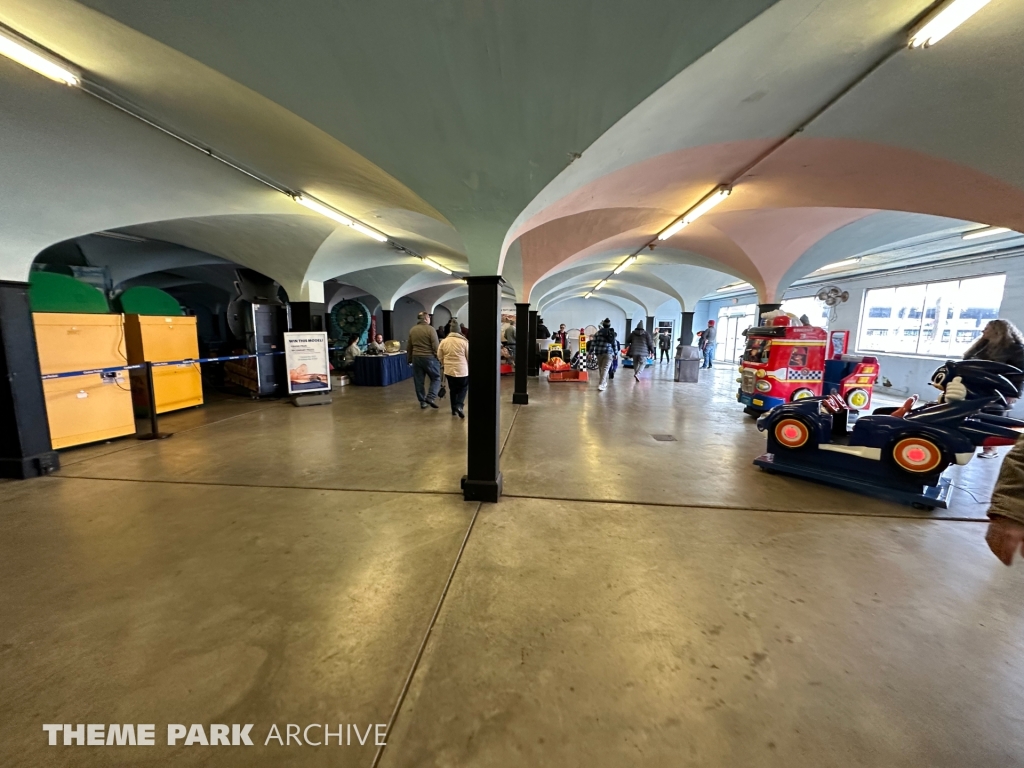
(458, 386)
(664, 355)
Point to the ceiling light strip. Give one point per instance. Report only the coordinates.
(943, 21)
(974, 234)
(29, 55)
(715, 197)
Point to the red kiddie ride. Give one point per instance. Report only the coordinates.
(783, 363)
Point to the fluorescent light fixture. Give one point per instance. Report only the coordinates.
(974, 234)
(435, 265)
(623, 265)
(839, 264)
(588, 294)
(369, 232)
(948, 17)
(705, 205)
(323, 210)
(601, 285)
(733, 287)
(330, 213)
(35, 59)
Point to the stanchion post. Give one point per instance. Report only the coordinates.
(154, 430)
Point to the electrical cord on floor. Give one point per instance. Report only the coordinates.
(976, 499)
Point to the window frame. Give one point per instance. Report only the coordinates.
(863, 328)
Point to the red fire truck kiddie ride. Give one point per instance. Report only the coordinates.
(784, 362)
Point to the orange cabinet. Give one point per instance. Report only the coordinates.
(84, 409)
(158, 339)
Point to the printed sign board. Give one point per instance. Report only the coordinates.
(305, 356)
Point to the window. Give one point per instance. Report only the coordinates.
(814, 310)
(936, 319)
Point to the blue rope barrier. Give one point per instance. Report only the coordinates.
(164, 364)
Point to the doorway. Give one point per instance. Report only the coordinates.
(732, 321)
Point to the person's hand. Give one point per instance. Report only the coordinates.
(955, 390)
(1005, 538)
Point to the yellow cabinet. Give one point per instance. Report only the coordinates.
(160, 339)
(84, 409)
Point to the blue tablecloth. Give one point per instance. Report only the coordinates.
(381, 370)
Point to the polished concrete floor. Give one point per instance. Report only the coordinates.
(629, 601)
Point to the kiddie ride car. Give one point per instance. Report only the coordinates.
(784, 362)
(895, 453)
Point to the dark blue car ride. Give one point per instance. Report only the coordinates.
(898, 455)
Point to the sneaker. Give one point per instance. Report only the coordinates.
(636, 376)
(423, 405)
(432, 404)
(461, 414)
(602, 387)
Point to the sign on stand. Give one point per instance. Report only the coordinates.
(305, 356)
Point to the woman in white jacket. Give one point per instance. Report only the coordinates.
(453, 353)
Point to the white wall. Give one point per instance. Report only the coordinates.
(579, 313)
(908, 373)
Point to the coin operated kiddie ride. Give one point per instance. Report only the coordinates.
(899, 454)
(784, 362)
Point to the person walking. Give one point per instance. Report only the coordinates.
(664, 345)
(1000, 342)
(510, 337)
(708, 344)
(453, 353)
(422, 354)
(605, 346)
(640, 346)
(1005, 536)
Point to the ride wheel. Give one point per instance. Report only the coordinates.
(917, 455)
(857, 399)
(801, 393)
(792, 433)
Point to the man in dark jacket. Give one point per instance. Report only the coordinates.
(542, 330)
(664, 345)
(640, 346)
(422, 351)
(605, 346)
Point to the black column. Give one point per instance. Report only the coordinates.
(686, 329)
(650, 325)
(520, 396)
(307, 316)
(762, 308)
(483, 481)
(629, 330)
(388, 330)
(25, 449)
(534, 358)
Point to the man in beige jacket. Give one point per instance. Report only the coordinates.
(422, 351)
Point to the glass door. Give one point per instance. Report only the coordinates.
(732, 321)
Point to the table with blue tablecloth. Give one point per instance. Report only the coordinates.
(381, 370)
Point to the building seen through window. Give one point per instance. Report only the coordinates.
(939, 319)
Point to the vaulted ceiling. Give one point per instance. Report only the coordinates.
(542, 140)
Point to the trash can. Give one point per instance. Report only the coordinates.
(687, 363)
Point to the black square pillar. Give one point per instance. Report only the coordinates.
(534, 357)
(629, 330)
(520, 396)
(686, 329)
(650, 325)
(307, 316)
(388, 330)
(483, 480)
(25, 449)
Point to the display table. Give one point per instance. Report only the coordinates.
(381, 370)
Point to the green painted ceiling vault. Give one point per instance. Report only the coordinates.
(474, 105)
